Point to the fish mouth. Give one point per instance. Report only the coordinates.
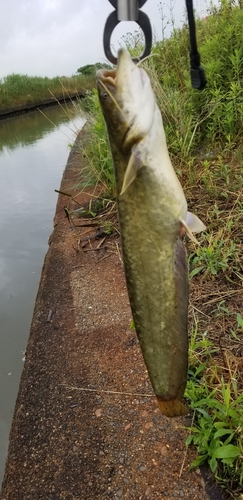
(125, 87)
(116, 76)
(107, 76)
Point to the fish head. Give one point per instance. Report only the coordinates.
(127, 100)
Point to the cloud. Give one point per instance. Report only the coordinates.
(55, 37)
(49, 37)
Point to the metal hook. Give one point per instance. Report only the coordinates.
(127, 11)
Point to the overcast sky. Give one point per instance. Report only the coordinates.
(56, 37)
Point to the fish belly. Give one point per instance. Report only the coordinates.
(157, 280)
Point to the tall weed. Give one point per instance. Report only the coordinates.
(218, 110)
(99, 168)
(19, 90)
(216, 430)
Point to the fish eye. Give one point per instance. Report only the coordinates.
(104, 95)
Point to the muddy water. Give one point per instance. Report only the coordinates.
(33, 154)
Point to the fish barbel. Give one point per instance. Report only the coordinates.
(153, 217)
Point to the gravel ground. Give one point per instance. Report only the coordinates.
(86, 424)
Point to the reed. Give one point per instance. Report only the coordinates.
(20, 90)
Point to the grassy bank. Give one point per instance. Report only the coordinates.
(20, 90)
(205, 138)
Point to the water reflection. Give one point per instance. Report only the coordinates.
(25, 129)
(33, 156)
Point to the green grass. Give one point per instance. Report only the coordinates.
(217, 112)
(216, 401)
(19, 90)
(204, 133)
(97, 151)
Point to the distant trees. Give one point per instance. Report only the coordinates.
(90, 69)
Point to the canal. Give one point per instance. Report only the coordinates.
(33, 153)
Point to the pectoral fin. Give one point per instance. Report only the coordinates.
(192, 225)
(131, 172)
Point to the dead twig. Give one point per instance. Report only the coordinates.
(201, 312)
(186, 450)
(50, 313)
(69, 195)
(85, 389)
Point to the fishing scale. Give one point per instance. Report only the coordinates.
(130, 10)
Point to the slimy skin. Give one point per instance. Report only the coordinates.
(152, 213)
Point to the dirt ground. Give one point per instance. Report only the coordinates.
(86, 424)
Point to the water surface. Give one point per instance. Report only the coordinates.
(33, 154)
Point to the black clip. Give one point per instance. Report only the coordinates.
(112, 21)
(198, 78)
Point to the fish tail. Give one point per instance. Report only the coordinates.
(172, 408)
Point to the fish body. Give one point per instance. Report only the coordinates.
(153, 216)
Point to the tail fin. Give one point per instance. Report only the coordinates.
(172, 408)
